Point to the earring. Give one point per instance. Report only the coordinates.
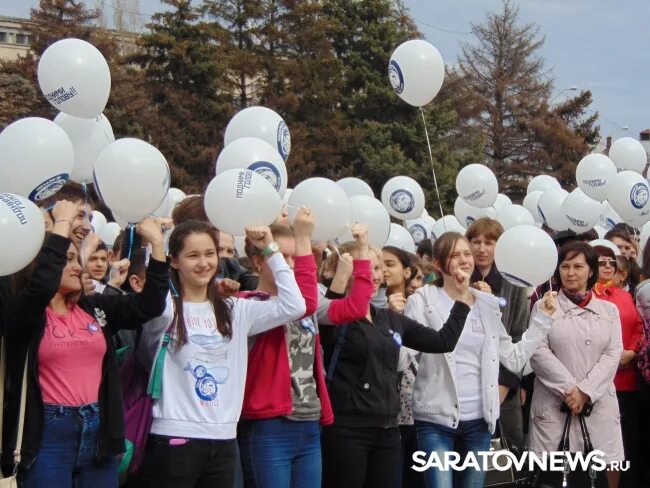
(259, 269)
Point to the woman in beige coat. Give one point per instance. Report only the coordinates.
(577, 362)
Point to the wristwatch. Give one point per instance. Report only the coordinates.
(271, 249)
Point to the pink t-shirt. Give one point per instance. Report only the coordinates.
(70, 358)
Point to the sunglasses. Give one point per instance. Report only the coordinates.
(607, 262)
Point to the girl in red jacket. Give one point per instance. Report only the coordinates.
(286, 399)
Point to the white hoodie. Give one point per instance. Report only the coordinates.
(203, 380)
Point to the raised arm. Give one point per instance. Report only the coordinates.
(257, 316)
(304, 263)
(417, 336)
(355, 304)
(132, 310)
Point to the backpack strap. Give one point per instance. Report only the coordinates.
(154, 389)
(340, 340)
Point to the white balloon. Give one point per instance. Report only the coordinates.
(263, 123)
(501, 202)
(89, 137)
(36, 158)
(416, 72)
(643, 239)
(467, 215)
(240, 198)
(600, 230)
(98, 221)
(641, 219)
(132, 178)
(542, 183)
(514, 215)
(530, 202)
(257, 155)
(593, 173)
(609, 217)
(369, 211)
(355, 186)
(430, 221)
(477, 185)
(175, 197)
(448, 223)
(606, 243)
(164, 209)
(525, 256)
(628, 154)
(628, 194)
(403, 197)
(74, 77)
(401, 238)
(329, 204)
(419, 229)
(23, 230)
(240, 245)
(424, 213)
(109, 233)
(550, 208)
(581, 211)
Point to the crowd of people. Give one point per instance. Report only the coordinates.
(303, 364)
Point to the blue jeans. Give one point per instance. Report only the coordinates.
(470, 436)
(67, 456)
(280, 453)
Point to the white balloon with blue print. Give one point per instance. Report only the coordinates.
(403, 198)
(257, 155)
(517, 247)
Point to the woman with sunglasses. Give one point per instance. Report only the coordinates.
(626, 380)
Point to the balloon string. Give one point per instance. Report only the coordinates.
(131, 230)
(84, 189)
(433, 169)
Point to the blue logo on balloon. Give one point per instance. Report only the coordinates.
(402, 201)
(639, 195)
(418, 232)
(268, 171)
(49, 187)
(515, 280)
(284, 140)
(396, 77)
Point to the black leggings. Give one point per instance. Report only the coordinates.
(197, 463)
(360, 457)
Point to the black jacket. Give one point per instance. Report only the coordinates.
(24, 325)
(364, 390)
(231, 269)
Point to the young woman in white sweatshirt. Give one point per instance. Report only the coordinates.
(456, 396)
(193, 435)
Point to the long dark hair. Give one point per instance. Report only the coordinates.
(222, 307)
(405, 260)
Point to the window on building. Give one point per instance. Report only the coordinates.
(4, 37)
(22, 39)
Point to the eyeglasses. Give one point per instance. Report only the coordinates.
(607, 262)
